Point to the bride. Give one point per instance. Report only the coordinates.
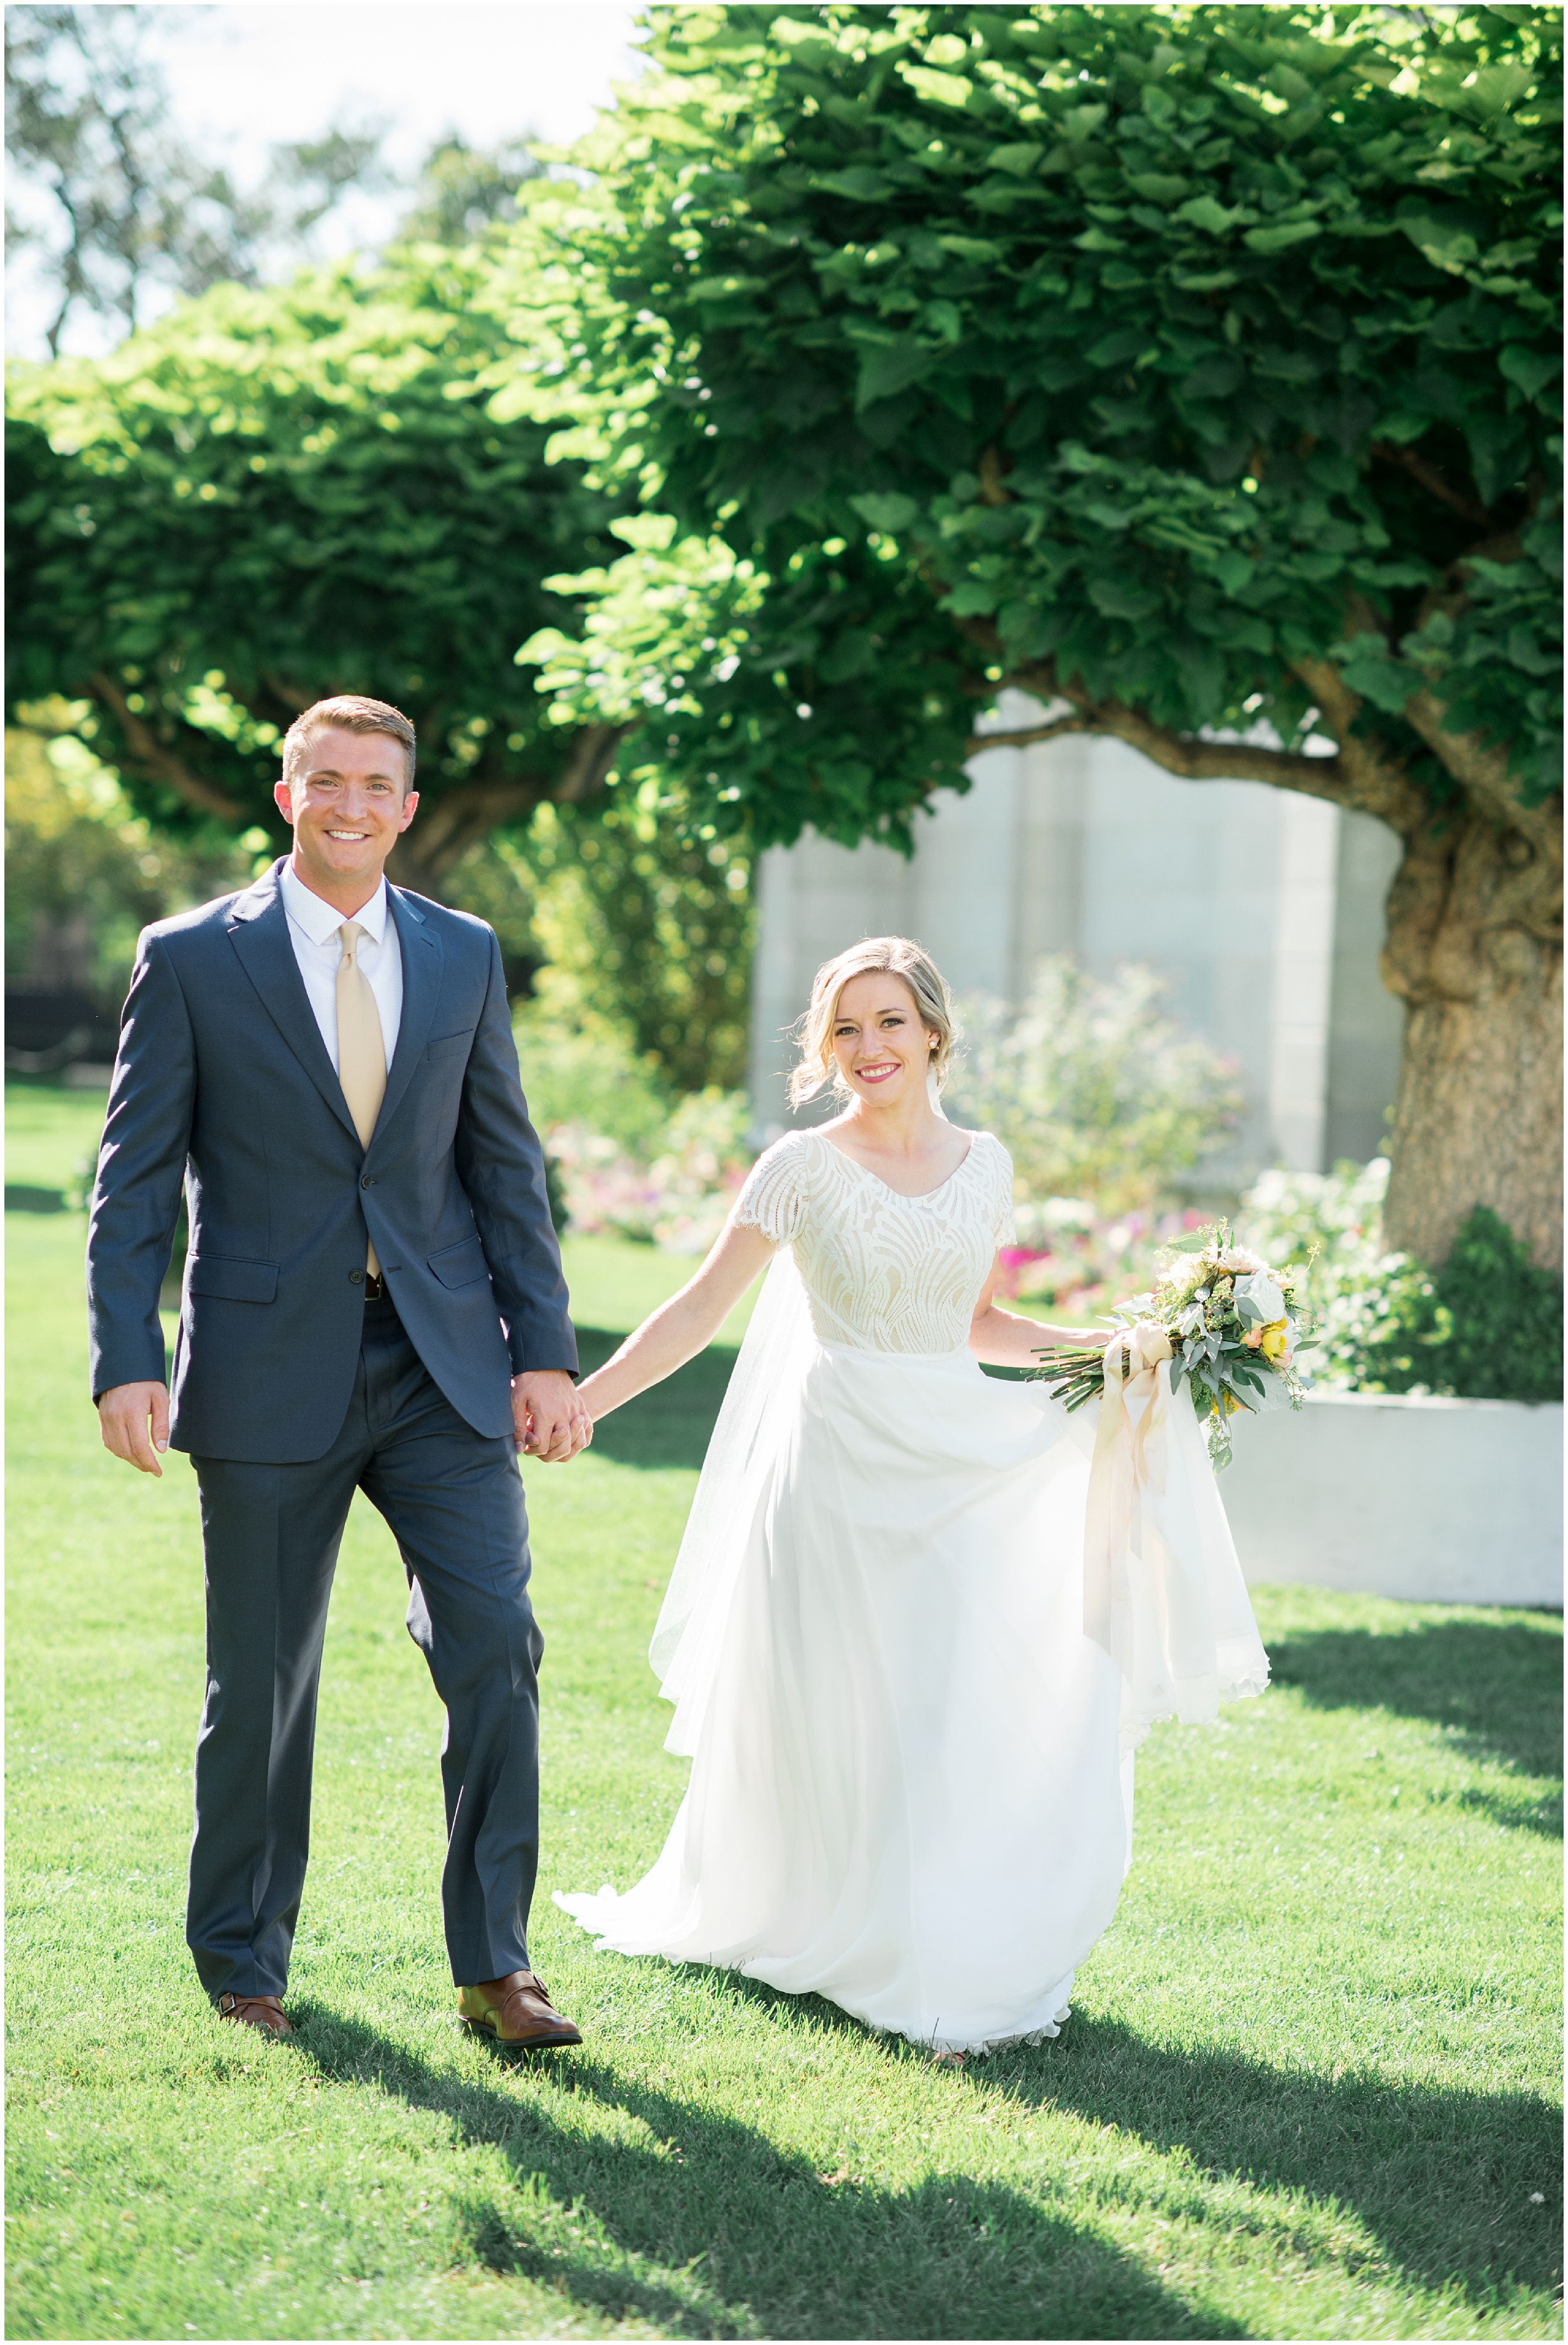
(889, 1651)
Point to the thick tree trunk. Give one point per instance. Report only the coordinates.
(1474, 949)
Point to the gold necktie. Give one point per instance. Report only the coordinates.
(361, 1053)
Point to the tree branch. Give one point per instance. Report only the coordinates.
(1020, 736)
(290, 694)
(449, 825)
(1434, 483)
(1480, 768)
(160, 763)
(1376, 785)
(593, 751)
(1187, 754)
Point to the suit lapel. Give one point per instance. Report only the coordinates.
(422, 962)
(259, 930)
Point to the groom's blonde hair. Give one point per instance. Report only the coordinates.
(898, 956)
(349, 711)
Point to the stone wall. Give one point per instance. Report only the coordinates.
(1263, 907)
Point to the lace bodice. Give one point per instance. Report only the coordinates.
(883, 1272)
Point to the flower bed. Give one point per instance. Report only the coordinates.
(678, 1199)
(1079, 1264)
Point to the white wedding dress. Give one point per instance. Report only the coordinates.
(911, 1787)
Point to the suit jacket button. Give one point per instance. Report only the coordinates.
(366, 1184)
(356, 1278)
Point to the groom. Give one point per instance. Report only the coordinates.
(373, 1301)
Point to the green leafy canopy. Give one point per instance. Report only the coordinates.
(275, 495)
(1200, 362)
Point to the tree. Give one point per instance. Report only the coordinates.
(114, 200)
(463, 192)
(271, 497)
(1192, 368)
(268, 497)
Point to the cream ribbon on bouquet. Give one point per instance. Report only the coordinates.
(1163, 1591)
(1133, 1408)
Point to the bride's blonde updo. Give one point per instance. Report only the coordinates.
(896, 957)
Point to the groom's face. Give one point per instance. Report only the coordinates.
(350, 804)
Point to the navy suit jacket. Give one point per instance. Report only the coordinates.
(223, 1082)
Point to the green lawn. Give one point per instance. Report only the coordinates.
(1309, 2089)
(49, 1133)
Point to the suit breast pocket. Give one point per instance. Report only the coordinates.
(227, 1280)
(460, 1265)
(450, 1046)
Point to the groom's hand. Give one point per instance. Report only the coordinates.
(134, 1422)
(549, 1421)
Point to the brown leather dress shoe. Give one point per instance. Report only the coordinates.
(515, 2010)
(262, 2011)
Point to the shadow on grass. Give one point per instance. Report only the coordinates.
(747, 2238)
(669, 1425)
(1442, 2179)
(1499, 1686)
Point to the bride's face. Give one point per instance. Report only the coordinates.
(882, 1048)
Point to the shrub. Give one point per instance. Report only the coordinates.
(654, 926)
(581, 1069)
(1487, 1326)
(1092, 1089)
(1507, 1341)
(623, 1154)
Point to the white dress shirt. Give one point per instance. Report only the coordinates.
(313, 927)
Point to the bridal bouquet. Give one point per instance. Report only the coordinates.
(1232, 1327)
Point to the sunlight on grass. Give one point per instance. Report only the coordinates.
(1309, 2089)
(50, 1133)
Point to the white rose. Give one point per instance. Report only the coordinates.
(1236, 1258)
(1259, 1290)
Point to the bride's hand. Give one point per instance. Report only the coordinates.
(678, 1330)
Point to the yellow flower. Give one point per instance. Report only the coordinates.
(1275, 1336)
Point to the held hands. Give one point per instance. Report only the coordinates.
(134, 1422)
(550, 1420)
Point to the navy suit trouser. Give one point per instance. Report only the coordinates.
(453, 1501)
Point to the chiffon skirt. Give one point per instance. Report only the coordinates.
(906, 1791)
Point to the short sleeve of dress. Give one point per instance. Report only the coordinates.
(771, 1199)
(1007, 1227)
